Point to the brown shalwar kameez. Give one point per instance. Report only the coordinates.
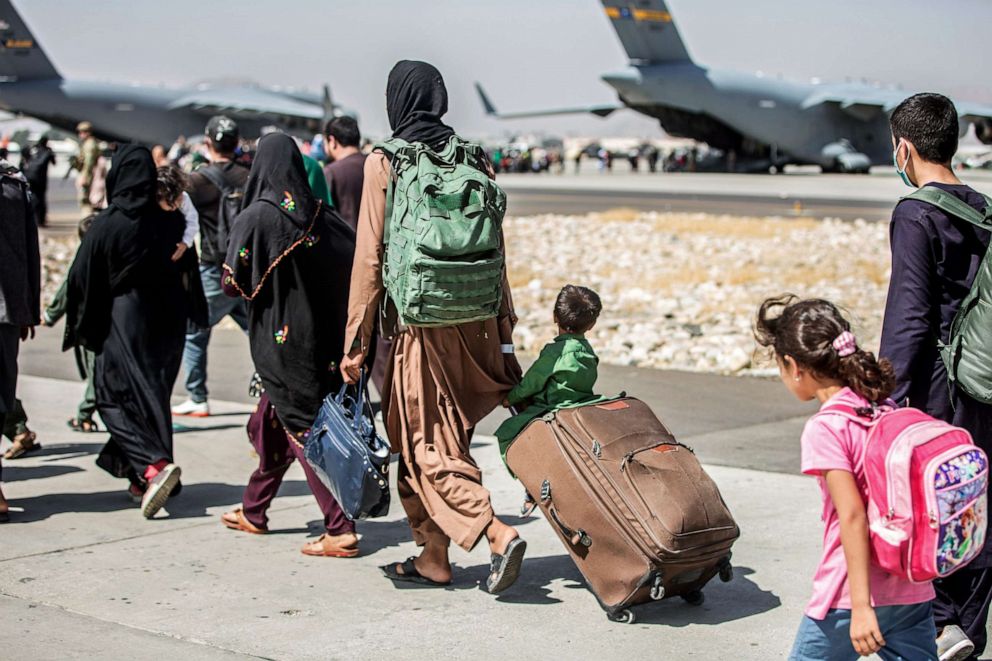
(443, 382)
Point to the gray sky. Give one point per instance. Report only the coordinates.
(528, 53)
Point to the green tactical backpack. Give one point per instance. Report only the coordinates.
(968, 351)
(444, 259)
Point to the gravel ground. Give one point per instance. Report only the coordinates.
(56, 255)
(679, 290)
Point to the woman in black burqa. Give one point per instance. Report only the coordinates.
(129, 303)
(290, 256)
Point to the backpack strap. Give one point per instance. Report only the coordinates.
(954, 206)
(949, 351)
(214, 177)
(866, 417)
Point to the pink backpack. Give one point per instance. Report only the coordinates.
(927, 483)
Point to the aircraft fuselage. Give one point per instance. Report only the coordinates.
(749, 113)
(125, 113)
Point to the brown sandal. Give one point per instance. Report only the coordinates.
(323, 548)
(235, 520)
(23, 444)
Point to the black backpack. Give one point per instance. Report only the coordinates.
(231, 197)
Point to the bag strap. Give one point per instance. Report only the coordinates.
(949, 352)
(214, 178)
(954, 206)
(866, 417)
(363, 400)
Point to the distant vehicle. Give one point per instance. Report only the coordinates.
(31, 85)
(757, 122)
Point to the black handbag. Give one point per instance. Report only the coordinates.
(347, 454)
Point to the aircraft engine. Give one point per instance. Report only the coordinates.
(983, 131)
(841, 156)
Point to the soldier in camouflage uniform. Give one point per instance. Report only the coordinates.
(86, 162)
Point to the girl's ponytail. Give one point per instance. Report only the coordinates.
(819, 338)
(871, 378)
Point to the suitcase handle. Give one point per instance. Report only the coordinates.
(576, 537)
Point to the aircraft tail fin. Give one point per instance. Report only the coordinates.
(21, 56)
(647, 31)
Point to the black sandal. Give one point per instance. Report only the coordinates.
(410, 574)
(528, 507)
(505, 568)
(85, 425)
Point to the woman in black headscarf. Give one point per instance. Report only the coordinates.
(290, 256)
(442, 380)
(128, 302)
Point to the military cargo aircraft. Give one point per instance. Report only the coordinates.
(31, 85)
(757, 122)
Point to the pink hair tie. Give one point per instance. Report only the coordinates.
(845, 344)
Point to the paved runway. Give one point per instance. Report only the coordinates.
(848, 197)
(792, 195)
(533, 201)
(82, 574)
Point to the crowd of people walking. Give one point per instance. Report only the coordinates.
(302, 259)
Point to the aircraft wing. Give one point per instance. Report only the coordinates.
(248, 103)
(857, 103)
(865, 104)
(974, 112)
(598, 110)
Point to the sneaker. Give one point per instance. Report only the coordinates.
(159, 489)
(953, 644)
(192, 409)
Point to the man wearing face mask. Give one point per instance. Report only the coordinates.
(935, 258)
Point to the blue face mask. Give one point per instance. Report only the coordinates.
(901, 171)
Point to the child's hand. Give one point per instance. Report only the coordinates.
(865, 633)
(506, 402)
(180, 251)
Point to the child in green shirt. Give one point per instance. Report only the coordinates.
(565, 373)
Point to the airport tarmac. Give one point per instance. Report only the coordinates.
(800, 194)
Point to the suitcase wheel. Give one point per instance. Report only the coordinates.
(625, 616)
(727, 573)
(695, 598)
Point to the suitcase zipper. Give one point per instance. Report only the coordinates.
(655, 547)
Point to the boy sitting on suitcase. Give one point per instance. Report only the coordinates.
(565, 372)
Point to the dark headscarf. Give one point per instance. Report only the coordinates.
(279, 210)
(131, 182)
(121, 238)
(416, 99)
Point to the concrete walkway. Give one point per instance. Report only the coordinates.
(82, 575)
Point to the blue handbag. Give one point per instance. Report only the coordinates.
(347, 454)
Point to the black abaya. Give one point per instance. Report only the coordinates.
(130, 301)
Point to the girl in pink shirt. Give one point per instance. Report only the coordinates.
(856, 607)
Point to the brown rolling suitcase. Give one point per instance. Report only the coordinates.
(640, 517)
